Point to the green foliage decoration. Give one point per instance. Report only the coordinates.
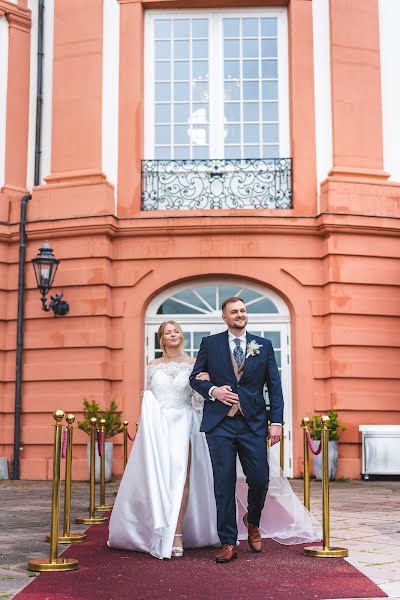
(112, 416)
(335, 427)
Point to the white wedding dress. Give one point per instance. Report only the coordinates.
(148, 502)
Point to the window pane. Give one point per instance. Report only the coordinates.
(181, 152)
(181, 71)
(208, 292)
(162, 28)
(200, 91)
(250, 48)
(200, 152)
(181, 135)
(200, 48)
(199, 135)
(274, 337)
(251, 111)
(271, 151)
(199, 114)
(181, 92)
(163, 153)
(264, 305)
(163, 113)
(250, 90)
(163, 50)
(232, 90)
(269, 69)
(250, 27)
(232, 111)
(200, 69)
(181, 113)
(232, 152)
(181, 28)
(251, 151)
(163, 71)
(270, 111)
(251, 133)
(270, 90)
(181, 50)
(269, 48)
(271, 133)
(231, 27)
(162, 91)
(197, 337)
(233, 134)
(162, 134)
(250, 69)
(200, 28)
(232, 69)
(231, 49)
(268, 27)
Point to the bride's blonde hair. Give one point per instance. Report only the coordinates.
(160, 334)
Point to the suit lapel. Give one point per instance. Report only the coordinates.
(250, 359)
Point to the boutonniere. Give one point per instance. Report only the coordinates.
(252, 348)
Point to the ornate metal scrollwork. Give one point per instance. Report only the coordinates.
(216, 184)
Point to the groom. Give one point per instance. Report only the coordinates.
(235, 419)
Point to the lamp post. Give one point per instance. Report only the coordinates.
(45, 265)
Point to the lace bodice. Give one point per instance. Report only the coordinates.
(169, 383)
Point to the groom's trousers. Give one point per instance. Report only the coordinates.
(232, 437)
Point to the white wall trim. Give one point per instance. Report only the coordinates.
(33, 6)
(389, 19)
(110, 92)
(322, 90)
(3, 95)
(48, 45)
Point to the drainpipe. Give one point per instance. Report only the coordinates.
(22, 250)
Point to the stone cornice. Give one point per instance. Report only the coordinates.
(17, 17)
(142, 227)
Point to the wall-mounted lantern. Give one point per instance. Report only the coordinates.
(45, 265)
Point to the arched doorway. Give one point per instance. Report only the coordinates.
(197, 308)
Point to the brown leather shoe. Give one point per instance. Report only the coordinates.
(227, 553)
(254, 535)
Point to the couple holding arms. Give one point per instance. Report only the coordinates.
(180, 487)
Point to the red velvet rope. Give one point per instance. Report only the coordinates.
(129, 436)
(100, 442)
(64, 443)
(311, 445)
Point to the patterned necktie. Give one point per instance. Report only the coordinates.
(238, 353)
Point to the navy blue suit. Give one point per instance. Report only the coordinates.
(240, 435)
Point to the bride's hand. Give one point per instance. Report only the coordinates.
(203, 376)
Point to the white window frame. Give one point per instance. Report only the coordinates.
(216, 145)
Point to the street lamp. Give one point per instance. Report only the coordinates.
(45, 265)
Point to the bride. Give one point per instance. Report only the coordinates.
(166, 500)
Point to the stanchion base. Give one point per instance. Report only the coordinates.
(326, 552)
(103, 507)
(69, 539)
(91, 520)
(60, 564)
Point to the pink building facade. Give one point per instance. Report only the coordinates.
(190, 150)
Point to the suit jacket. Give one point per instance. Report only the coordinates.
(214, 357)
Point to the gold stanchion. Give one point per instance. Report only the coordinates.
(125, 424)
(103, 506)
(305, 423)
(282, 448)
(325, 550)
(92, 519)
(53, 563)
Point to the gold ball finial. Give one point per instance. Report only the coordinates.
(325, 421)
(102, 421)
(93, 421)
(58, 415)
(125, 423)
(70, 418)
(305, 422)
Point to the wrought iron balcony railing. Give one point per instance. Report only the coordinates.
(216, 184)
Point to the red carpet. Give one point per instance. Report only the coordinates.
(278, 573)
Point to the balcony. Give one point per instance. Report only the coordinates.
(217, 184)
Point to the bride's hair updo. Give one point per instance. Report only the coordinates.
(160, 334)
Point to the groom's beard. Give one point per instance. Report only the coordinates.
(241, 324)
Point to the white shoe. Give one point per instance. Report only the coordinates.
(177, 551)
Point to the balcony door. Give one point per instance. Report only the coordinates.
(216, 84)
(196, 308)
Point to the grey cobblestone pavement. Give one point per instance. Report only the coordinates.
(365, 518)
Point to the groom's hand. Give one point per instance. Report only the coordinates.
(274, 434)
(225, 395)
